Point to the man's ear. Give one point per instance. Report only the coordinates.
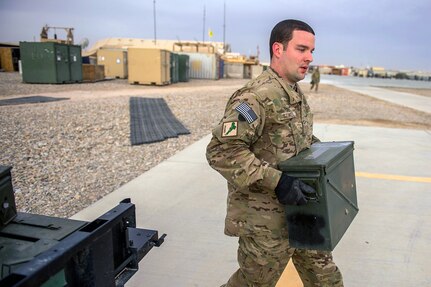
(277, 49)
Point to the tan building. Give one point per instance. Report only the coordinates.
(170, 45)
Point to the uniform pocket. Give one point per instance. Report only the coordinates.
(284, 116)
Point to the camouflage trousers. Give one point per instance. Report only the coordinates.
(262, 260)
(314, 85)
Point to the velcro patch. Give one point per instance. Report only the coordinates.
(247, 112)
(230, 129)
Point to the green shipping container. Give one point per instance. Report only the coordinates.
(329, 168)
(184, 66)
(75, 60)
(174, 68)
(50, 63)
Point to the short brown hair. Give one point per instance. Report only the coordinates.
(282, 32)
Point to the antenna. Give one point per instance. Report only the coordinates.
(224, 27)
(155, 30)
(203, 31)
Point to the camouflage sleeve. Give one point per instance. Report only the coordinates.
(229, 150)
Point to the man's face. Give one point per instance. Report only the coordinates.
(296, 57)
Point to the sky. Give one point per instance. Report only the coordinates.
(394, 34)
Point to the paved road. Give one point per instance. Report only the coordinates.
(386, 245)
(371, 88)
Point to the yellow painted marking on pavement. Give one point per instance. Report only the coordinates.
(394, 177)
(289, 277)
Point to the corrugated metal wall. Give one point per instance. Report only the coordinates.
(203, 66)
(234, 70)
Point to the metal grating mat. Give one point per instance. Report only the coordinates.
(29, 100)
(151, 120)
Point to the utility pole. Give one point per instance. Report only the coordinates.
(154, 15)
(258, 52)
(224, 27)
(203, 31)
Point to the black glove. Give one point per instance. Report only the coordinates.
(290, 190)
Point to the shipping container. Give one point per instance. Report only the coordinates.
(252, 71)
(50, 63)
(203, 66)
(234, 70)
(149, 66)
(256, 70)
(9, 58)
(86, 60)
(183, 67)
(115, 62)
(221, 69)
(93, 73)
(75, 63)
(345, 72)
(247, 71)
(174, 68)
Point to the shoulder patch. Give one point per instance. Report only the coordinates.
(230, 129)
(247, 112)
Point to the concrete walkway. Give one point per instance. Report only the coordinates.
(421, 103)
(418, 102)
(386, 245)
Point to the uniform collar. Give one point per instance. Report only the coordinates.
(295, 96)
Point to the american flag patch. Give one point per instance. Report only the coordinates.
(245, 110)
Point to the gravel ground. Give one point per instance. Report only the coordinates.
(68, 154)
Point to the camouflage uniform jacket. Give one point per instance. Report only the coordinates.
(246, 149)
(315, 77)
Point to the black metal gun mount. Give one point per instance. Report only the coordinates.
(37, 250)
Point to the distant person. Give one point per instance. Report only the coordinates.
(266, 122)
(315, 79)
